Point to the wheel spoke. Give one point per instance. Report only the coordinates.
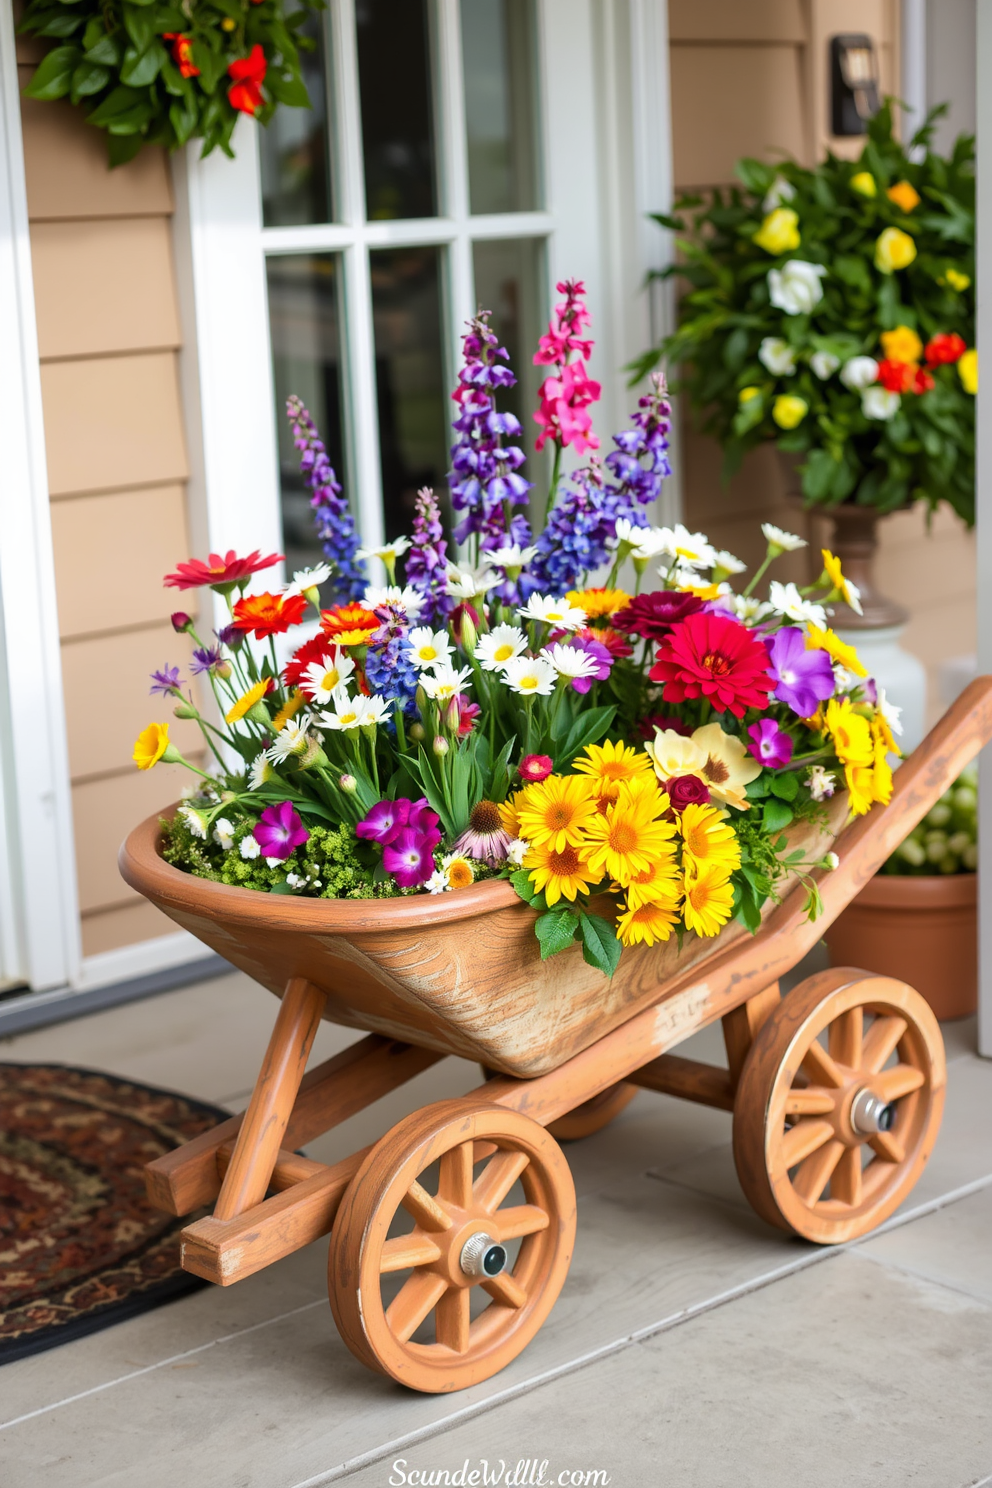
(497, 1178)
(813, 1100)
(887, 1146)
(414, 1300)
(845, 1184)
(880, 1041)
(845, 1038)
(455, 1185)
(521, 1219)
(820, 1067)
(900, 1080)
(816, 1171)
(453, 1319)
(505, 1290)
(404, 1251)
(425, 1209)
(802, 1139)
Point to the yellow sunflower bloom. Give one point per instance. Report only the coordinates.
(709, 901)
(850, 733)
(708, 841)
(658, 883)
(555, 871)
(557, 811)
(607, 765)
(289, 710)
(643, 924)
(836, 649)
(151, 745)
(598, 603)
(626, 841)
(247, 701)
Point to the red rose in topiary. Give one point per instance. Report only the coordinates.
(716, 658)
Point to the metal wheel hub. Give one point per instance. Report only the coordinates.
(871, 1114)
(482, 1256)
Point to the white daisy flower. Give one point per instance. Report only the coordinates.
(410, 599)
(568, 661)
(438, 882)
(425, 646)
(552, 611)
(323, 678)
(260, 771)
(224, 833)
(844, 681)
(821, 782)
(291, 739)
(512, 556)
(194, 820)
(388, 552)
(498, 646)
(348, 712)
(375, 710)
(467, 583)
(692, 549)
(248, 848)
(630, 533)
(444, 682)
(308, 578)
(747, 607)
(853, 596)
(517, 850)
(729, 563)
(786, 600)
(530, 676)
(786, 542)
(889, 711)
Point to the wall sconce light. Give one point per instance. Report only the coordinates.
(853, 83)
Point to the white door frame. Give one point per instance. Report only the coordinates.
(39, 912)
(983, 506)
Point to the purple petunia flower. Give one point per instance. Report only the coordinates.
(165, 681)
(585, 640)
(279, 831)
(205, 659)
(385, 821)
(770, 744)
(410, 859)
(804, 678)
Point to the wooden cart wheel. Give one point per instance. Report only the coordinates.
(829, 1137)
(589, 1118)
(452, 1245)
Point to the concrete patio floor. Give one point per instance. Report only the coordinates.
(692, 1346)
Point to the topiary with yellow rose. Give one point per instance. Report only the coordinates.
(832, 311)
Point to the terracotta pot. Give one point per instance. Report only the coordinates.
(923, 931)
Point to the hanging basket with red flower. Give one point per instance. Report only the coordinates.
(165, 73)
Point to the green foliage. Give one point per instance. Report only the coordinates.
(925, 452)
(946, 840)
(555, 929)
(119, 60)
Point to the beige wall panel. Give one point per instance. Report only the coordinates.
(104, 811)
(149, 527)
(107, 702)
(65, 160)
(104, 286)
(730, 20)
(729, 101)
(112, 928)
(731, 516)
(880, 20)
(113, 421)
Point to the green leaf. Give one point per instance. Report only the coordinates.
(556, 930)
(142, 68)
(116, 103)
(600, 947)
(776, 815)
(53, 76)
(587, 729)
(290, 92)
(106, 51)
(87, 79)
(785, 786)
(523, 886)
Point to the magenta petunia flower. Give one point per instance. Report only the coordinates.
(279, 831)
(586, 641)
(770, 744)
(425, 821)
(409, 858)
(803, 678)
(385, 821)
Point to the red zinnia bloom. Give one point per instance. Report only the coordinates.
(218, 571)
(716, 658)
(248, 73)
(182, 53)
(269, 614)
(651, 616)
(897, 377)
(944, 348)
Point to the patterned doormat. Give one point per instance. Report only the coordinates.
(80, 1245)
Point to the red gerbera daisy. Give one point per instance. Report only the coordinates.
(269, 614)
(349, 624)
(715, 658)
(217, 571)
(313, 650)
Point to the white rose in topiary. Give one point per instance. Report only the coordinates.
(796, 287)
(859, 372)
(777, 355)
(879, 403)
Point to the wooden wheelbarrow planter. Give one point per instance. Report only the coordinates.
(836, 1090)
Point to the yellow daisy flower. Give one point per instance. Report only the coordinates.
(289, 710)
(836, 576)
(557, 811)
(607, 765)
(598, 603)
(708, 841)
(836, 649)
(709, 901)
(881, 784)
(150, 745)
(643, 924)
(860, 782)
(850, 732)
(658, 882)
(881, 732)
(555, 871)
(247, 701)
(625, 841)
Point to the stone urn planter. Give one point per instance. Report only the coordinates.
(921, 930)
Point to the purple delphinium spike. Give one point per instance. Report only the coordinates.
(165, 681)
(646, 441)
(426, 562)
(388, 669)
(770, 744)
(803, 678)
(332, 515)
(484, 480)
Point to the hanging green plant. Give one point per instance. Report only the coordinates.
(153, 73)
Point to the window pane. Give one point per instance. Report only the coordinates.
(296, 185)
(409, 367)
(306, 357)
(500, 98)
(509, 281)
(394, 75)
